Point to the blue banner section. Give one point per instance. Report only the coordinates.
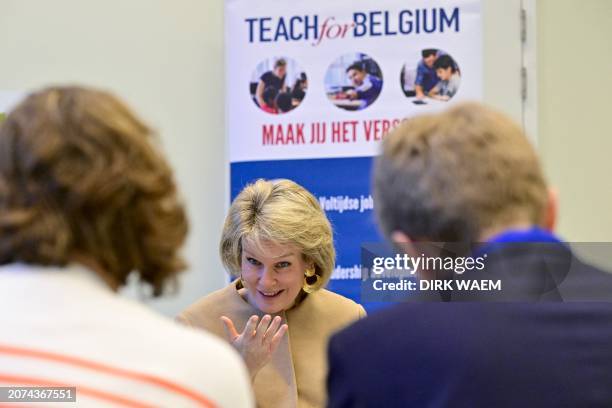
(342, 187)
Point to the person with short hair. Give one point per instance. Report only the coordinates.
(426, 77)
(86, 200)
(487, 177)
(469, 175)
(447, 72)
(278, 244)
(367, 86)
(274, 78)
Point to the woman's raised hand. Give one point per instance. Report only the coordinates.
(258, 340)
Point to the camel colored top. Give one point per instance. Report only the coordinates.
(295, 377)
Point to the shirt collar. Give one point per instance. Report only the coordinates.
(533, 234)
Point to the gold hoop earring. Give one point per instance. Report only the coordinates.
(310, 279)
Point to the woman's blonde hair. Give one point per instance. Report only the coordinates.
(282, 212)
(80, 176)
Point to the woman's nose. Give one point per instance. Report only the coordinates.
(267, 277)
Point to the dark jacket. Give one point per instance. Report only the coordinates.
(553, 348)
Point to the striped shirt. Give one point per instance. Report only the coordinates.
(65, 327)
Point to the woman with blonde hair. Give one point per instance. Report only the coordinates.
(278, 244)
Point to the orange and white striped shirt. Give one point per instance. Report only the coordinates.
(65, 327)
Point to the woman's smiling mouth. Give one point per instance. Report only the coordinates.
(269, 294)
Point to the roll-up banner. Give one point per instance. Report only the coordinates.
(312, 87)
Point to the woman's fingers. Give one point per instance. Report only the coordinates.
(263, 326)
(230, 329)
(276, 322)
(264, 329)
(250, 327)
(278, 336)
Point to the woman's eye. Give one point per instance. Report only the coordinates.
(253, 261)
(283, 264)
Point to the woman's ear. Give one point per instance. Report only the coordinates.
(310, 265)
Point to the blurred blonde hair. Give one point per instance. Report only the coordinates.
(80, 176)
(452, 175)
(282, 212)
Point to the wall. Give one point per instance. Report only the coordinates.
(166, 59)
(574, 90)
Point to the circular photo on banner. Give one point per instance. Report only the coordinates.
(278, 85)
(353, 81)
(434, 75)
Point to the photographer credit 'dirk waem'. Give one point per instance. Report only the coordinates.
(402, 264)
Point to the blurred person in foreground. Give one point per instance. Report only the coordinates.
(470, 175)
(86, 199)
(278, 243)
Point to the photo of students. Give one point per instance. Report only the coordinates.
(426, 77)
(448, 73)
(278, 85)
(353, 81)
(435, 76)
